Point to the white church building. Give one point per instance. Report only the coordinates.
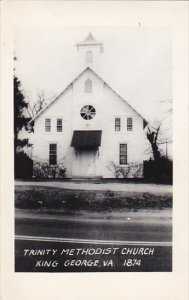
(89, 128)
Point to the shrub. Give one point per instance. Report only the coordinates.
(23, 165)
(133, 170)
(43, 169)
(161, 170)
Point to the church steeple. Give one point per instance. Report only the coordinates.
(90, 50)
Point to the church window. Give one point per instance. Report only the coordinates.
(89, 57)
(47, 125)
(88, 112)
(117, 124)
(88, 86)
(59, 125)
(129, 124)
(53, 154)
(123, 154)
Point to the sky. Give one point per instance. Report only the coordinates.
(136, 63)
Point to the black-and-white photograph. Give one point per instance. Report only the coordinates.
(93, 148)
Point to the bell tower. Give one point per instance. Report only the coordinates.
(90, 51)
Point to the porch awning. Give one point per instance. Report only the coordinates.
(86, 139)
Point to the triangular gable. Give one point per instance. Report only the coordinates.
(62, 93)
(89, 39)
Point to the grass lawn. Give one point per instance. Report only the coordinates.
(37, 197)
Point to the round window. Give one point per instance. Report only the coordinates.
(88, 112)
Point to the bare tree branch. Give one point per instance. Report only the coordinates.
(37, 106)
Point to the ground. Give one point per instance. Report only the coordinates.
(95, 186)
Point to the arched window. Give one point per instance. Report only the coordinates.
(89, 57)
(88, 86)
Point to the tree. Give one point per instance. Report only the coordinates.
(20, 120)
(33, 108)
(160, 133)
(37, 106)
(152, 136)
(160, 168)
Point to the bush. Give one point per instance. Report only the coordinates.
(43, 169)
(161, 170)
(23, 166)
(133, 170)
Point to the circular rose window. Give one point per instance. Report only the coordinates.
(88, 112)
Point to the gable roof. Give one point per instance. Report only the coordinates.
(88, 68)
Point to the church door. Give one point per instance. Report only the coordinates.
(84, 164)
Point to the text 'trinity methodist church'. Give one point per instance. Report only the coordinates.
(89, 128)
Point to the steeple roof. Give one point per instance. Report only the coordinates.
(89, 40)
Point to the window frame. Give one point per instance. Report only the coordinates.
(88, 112)
(88, 88)
(89, 57)
(59, 125)
(129, 125)
(123, 157)
(48, 125)
(116, 126)
(52, 154)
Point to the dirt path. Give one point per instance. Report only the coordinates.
(130, 187)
